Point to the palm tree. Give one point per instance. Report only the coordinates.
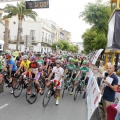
(6, 35)
(21, 11)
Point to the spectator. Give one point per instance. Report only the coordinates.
(109, 92)
(109, 62)
(100, 70)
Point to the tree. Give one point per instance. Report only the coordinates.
(53, 46)
(97, 15)
(21, 11)
(64, 45)
(6, 35)
(88, 40)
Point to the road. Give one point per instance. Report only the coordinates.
(20, 109)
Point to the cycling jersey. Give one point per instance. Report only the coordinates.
(33, 66)
(25, 64)
(84, 70)
(71, 67)
(46, 61)
(40, 62)
(12, 63)
(58, 72)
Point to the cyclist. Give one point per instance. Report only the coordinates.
(40, 61)
(84, 71)
(71, 71)
(58, 71)
(33, 71)
(11, 68)
(24, 64)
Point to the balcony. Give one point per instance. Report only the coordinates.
(21, 38)
(33, 40)
(46, 41)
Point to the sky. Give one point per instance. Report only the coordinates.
(65, 13)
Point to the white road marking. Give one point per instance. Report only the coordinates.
(3, 106)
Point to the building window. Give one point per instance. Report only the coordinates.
(32, 34)
(46, 37)
(42, 36)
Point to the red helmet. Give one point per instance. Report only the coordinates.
(8, 56)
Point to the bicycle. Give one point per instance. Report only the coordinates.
(6, 80)
(21, 84)
(49, 93)
(33, 90)
(67, 85)
(79, 88)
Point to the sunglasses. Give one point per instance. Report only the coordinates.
(7, 58)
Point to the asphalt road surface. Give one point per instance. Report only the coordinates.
(20, 109)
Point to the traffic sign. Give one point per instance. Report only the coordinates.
(37, 4)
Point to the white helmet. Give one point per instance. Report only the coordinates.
(58, 61)
(24, 57)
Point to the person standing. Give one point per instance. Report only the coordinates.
(108, 90)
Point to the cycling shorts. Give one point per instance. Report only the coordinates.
(59, 86)
(86, 81)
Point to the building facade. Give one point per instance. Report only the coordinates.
(36, 35)
(65, 35)
(79, 45)
(39, 33)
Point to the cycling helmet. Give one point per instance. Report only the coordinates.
(71, 60)
(45, 56)
(24, 57)
(33, 58)
(38, 55)
(57, 57)
(17, 58)
(8, 56)
(6, 52)
(58, 61)
(85, 62)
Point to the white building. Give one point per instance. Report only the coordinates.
(39, 31)
(80, 46)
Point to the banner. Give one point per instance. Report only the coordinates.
(96, 56)
(93, 96)
(113, 41)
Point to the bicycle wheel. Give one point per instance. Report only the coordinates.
(46, 98)
(76, 92)
(31, 93)
(17, 90)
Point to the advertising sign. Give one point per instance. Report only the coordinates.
(37, 4)
(93, 96)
